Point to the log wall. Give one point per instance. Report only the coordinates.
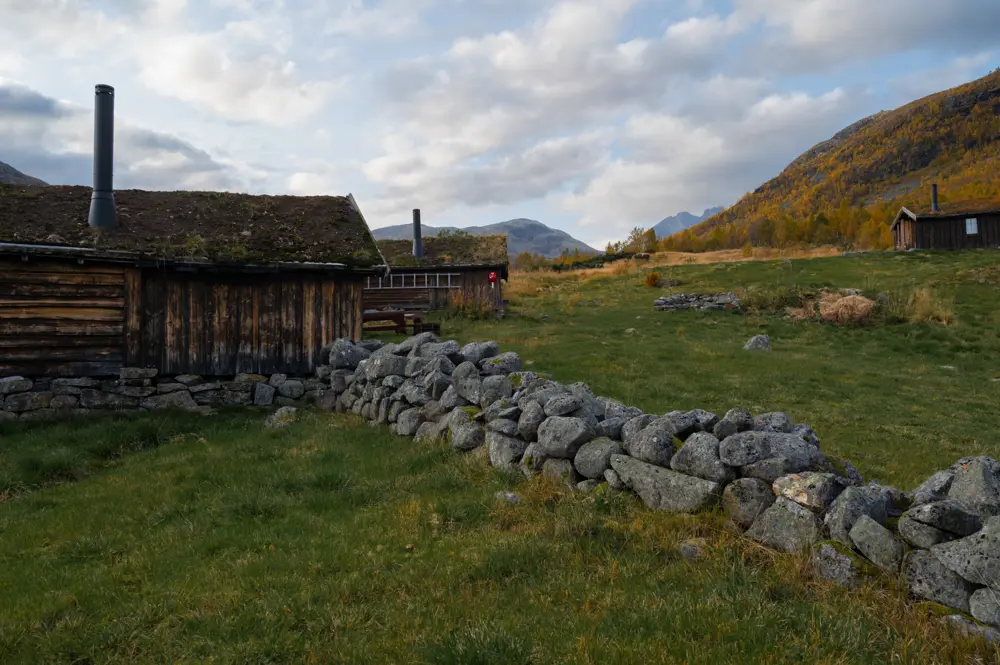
(66, 319)
(61, 319)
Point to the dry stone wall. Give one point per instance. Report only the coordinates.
(767, 473)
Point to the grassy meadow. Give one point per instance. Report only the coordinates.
(166, 538)
(900, 400)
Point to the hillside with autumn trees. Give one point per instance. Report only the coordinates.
(847, 190)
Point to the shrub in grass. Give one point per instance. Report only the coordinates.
(653, 280)
(461, 306)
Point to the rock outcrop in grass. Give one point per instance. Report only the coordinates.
(768, 474)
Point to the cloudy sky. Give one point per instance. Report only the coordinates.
(590, 115)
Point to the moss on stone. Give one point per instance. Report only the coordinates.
(516, 380)
(472, 411)
(865, 567)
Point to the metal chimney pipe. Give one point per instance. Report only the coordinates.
(418, 243)
(934, 199)
(102, 201)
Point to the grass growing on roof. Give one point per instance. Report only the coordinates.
(329, 541)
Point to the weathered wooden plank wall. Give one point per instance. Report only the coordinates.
(60, 318)
(221, 325)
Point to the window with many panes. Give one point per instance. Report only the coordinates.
(971, 226)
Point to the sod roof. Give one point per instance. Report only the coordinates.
(468, 250)
(182, 226)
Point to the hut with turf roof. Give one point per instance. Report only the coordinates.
(958, 225)
(430, 273)
(202, 283)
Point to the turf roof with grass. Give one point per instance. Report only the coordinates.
(219, 227)
(448, 251)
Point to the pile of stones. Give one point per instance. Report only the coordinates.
(682, 301)
(768, 474)
(143, 389)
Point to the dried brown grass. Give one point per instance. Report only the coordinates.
(841, 310)
(926, 306)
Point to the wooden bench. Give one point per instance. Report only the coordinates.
(399, 322)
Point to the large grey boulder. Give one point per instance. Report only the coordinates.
(933, 489)
(758, 343)
(984, 604)
(494, 389)
(532, 416)
(662, 489)
(408, 422)
(921, 535)
(505, 363)
(768, 470)
(775, 421)
(502, 425)
(741, 417)
(436, 383)
(683, 423)
(174, 400)
(973, 630)
(611, 428)
(532, 461)
(877, 544)
(976, 558)
(745, 499)
(699, 457)
(632, 427)
(10, 385)
(815, 491)
(409, 344)
(977, 485)
(467, 382)
(24, 402)
(615, 409)
(852, 503)
(467, 436)
(283, 417)
(654, 444)
(583, 392)
(929, 579)
(345, 355)
(806, 433)
(560, 469)
(594, 457)
(949, 515)
(835, 563)
(449, 349)
(706, 419)
(562, 405)
(476, 352)
(450, 399)
(504, 451)
(786, 526)
(379, 367)
(561, 437)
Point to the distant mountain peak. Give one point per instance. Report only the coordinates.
(11, 176)
(523, 235)
(682, 220)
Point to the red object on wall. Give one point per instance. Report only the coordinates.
(493, 277)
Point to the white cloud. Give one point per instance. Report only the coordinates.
(688, 163)
(48, 138)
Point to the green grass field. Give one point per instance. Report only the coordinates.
(172, 538)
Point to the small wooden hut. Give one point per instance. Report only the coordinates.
(959, 225)
(473, 266)
(187, 283)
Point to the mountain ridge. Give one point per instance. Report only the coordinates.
(11, 176)
(848, 188)
(523, 235)
(683, 220)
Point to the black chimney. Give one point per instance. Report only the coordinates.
(418, 243)
(102, 201)
(934, 200)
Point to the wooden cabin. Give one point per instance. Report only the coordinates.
(959, 225)
(205, 283)
(474, 267)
